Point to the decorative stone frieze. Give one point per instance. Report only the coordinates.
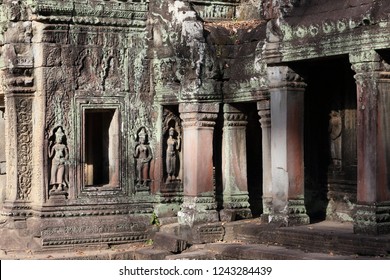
(129, 13)
(216, 10)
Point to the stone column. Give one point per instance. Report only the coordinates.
(373, 148)
(263, 106)
(234, 166)
(17, 87)
(287, 104)
(199, 203)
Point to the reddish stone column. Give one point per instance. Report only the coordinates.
(373, 148)
(198, 172)
(234, 166)
(264, 109)
(287, 103)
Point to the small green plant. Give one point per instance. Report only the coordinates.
(154, 220)
(149, 242)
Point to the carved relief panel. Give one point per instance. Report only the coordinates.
(143, 156)
(172, 150)
(335, 132)
(58, 155)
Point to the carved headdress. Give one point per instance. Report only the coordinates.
(59, 134)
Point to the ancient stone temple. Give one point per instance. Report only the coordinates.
(114, 113)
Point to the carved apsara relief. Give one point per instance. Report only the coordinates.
(335, 132)
(88, 64)
(58, 157)
(172, 133)
(143, 156)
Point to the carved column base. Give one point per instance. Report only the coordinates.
(267, 209)
(19, 210)
(170, 199)
(236, 207)
(294, 214)
(199, 209)
(372, 219)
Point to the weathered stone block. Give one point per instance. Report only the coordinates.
(169, 242)
(207, 233)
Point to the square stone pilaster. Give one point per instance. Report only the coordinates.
(264, 109)
(287, 151)
(373, 142)
(234, 165)
(199, 203)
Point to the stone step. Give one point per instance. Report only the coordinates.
(151, 254)
(193, 255)
(326, 237)
(266, 252)
(169, 242)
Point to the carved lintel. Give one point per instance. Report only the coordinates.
(124, 13)
(213, 10)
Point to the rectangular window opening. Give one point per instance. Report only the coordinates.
(101, 148)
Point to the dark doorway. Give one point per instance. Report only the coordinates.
(101, 147)
(330, 138)
(254, 160)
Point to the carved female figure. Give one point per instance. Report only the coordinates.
(143, 155)
(59, 155)
(335, 130)
(173, 146)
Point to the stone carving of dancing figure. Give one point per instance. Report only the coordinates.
(58, 153)
(335, 130)
(173, 146)
(143, 155)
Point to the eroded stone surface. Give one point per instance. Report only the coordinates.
(115, 114)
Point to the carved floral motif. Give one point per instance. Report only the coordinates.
(24, 146)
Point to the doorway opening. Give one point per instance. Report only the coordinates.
(330, 139)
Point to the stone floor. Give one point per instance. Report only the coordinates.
(247, 239)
